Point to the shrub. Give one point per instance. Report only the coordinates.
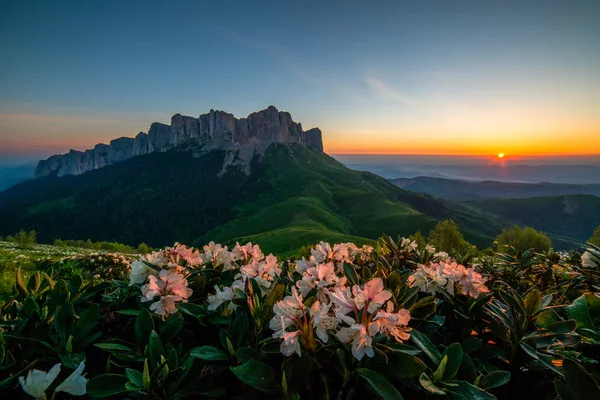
(343, 322)
(522, 239)
(595, 239)
(445, 236)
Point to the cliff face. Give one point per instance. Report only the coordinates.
(242, 138)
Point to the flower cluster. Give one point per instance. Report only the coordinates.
(250, 262)
(353, 314)
(165, 274)
(337, 255)
(450, 276)
(171, 287)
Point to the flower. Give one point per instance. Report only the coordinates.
(393, 323)
(171, 286)
(75, 384)
(220, 296)
(291, 342)
(450, 276)
(373, 295)
(360, 338)
(247, 252)
(217, 255)
(322, 319)
(140, 272)
(37, 382)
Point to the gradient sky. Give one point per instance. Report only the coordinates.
(437, 77)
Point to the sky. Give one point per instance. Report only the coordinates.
(378, 77)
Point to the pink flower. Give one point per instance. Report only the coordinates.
(171, 287)
(373, 295)
(393, 323)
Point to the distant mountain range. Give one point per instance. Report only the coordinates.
(261, 179)
(241, 138)
(454, 189)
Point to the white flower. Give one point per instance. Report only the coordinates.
(322, 320)
(361, 341)
(140, 272)
(37, 382)
(220, 297)
(75, 384)
(291, 340)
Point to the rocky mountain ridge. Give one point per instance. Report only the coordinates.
(241, 138)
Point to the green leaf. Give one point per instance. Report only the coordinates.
(471, 345)
(582, 309)
(468, 368)
(209, 353)
(171, 327)
(257, 375)
(423, 308)
(144, 324)
(494, 379)
(135, 377)
(146, 376)
(21, 286)
(541, 358)
(462, 390)
(580, 381)
(74, 285)
(426, 346)
(428, 384)
(454, 353)
(403, 365)
(58, 296)
(155, 349)
(553, 329)
(479, 303)
(106, 385)
(379, 384)
(533, 301)
(64, 323)
(438, 375)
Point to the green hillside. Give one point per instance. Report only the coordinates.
(568, 220)
(294, 196)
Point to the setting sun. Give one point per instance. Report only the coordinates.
(500, 155)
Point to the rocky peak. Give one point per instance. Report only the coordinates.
(242, 138)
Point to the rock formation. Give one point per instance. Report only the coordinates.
(241, 138)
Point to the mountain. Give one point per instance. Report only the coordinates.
(218, 130)
(459, 190)
(11, 175)
(568, 220)
(292, 196)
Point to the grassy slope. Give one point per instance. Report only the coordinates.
(294, 197)
(569, 220)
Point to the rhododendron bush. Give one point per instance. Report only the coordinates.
(341, 322)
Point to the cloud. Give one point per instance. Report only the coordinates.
(384, 91)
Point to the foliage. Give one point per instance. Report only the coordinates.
(522, 239)
(394, 320)
(106, 246)
(446, 237)
(23, 239)
(595, 239)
